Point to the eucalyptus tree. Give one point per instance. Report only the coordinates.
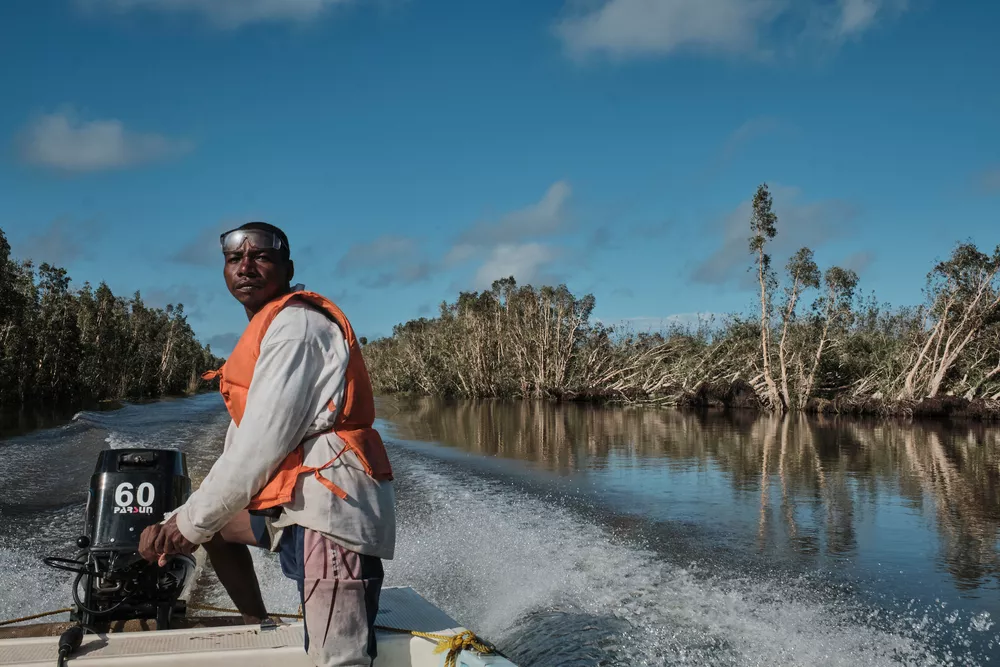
(763, 228)
(803, 274)
(834, 310)
(963, 300)
(58, 344)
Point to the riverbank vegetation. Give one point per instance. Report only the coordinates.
(63, 345)
(811, 342)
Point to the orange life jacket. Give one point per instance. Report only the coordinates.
(353, 423)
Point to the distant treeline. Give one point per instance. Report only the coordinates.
(62, 345)
(813, 343)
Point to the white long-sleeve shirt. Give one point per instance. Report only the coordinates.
(302, 366)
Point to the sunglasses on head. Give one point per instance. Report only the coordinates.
(259, 238)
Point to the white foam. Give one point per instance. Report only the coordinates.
(117, 440)
(279, 592)
(495, 558)
(31, 587)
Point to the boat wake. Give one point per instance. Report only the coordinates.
(551, 587)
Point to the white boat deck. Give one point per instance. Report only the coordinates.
(250, 646)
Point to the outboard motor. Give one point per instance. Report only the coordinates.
(130, 490)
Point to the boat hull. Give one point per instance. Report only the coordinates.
(224, 644)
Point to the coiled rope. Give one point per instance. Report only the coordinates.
(453, 644)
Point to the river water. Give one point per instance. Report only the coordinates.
(577, 535)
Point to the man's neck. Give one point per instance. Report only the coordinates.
(251, 313)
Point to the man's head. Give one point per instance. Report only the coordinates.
(258, 266)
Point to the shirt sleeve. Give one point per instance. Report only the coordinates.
(277, 416)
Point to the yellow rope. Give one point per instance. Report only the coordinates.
(453, 644)
(34, 616)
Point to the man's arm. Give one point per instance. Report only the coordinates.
(279, 410)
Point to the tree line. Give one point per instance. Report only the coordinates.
(61, 345)
(811, 342)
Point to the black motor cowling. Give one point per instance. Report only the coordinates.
(130, 490)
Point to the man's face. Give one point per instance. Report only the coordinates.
(255, 276)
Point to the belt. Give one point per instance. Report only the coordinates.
(272, 512)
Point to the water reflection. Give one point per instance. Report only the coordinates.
(15, 421)
(811, 483)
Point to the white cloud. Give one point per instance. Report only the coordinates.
(386, 249)
(989, 180)
(859, 261)
(204, 249)
(386, 261)
(227, 13)
(508, 246)
(857, 15)
(633, 28)
(751, 131)
(63, 141)
(460, 253)
(747, 132)
(544, 217)
(502, 247)
(62, 241)
(625, 28)
(524, 261)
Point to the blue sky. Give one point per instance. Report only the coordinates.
(414, 148)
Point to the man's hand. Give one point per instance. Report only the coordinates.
(161, 540)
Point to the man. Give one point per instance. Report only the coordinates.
(303, 472)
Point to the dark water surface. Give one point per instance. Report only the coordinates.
(574, 535)
(22, 420)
